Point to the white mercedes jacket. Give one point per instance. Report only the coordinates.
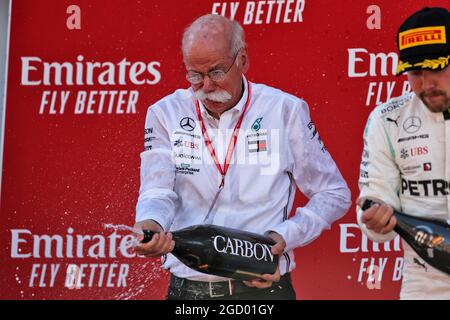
(278, 148)
(406, 164)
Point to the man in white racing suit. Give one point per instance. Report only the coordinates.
(406, 158)
(277, 148)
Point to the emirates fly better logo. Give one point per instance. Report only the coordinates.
(109, 81)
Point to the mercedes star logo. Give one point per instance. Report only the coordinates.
(187, 124)
(412, 124)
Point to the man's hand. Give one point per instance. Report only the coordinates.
(379, 217)
(160, 244)
(268, 279)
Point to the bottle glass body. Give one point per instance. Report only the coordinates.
(224, 251)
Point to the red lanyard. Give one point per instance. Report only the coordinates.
(233, 140)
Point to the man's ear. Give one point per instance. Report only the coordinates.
(244, 60)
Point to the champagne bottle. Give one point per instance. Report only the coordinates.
(429, 238)
(223, 251)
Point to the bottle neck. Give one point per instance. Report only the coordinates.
(148, 235)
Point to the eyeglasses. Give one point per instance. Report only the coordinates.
(216, 75)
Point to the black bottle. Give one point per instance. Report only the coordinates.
(223, 251)
(430, 238)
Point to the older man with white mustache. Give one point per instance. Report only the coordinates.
(189, 178)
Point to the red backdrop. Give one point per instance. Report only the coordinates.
(69, 172)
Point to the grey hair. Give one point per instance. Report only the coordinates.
(237, 36)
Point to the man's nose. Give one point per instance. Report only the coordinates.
(208, 84)
(428, 82)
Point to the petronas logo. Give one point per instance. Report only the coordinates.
(256, 125)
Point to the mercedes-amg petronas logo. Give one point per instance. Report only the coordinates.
(187, 124)
(412, 124)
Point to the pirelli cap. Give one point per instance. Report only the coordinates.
(423, 41)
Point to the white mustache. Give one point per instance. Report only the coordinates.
(221, 96)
